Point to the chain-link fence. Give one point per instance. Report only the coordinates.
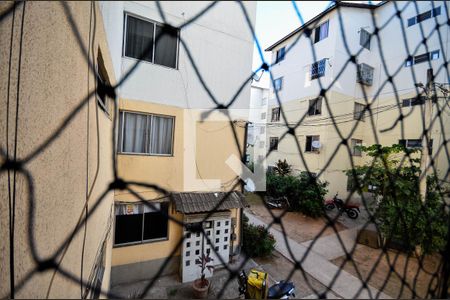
(437, 280)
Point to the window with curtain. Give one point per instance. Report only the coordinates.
(151, 41)
(275, 114)
(145, 133)
(309, 145)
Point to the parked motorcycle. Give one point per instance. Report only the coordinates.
(254, 287)
(351, 210)
(280, 202)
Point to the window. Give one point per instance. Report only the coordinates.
(263, 116)
(419, 100)
(278, 83)
(151, 41)
(321, 32)
(102, 82)
(280, 54)
(137, 223)
(364, 39)
(358, 113)
(310, 145)
(364, 74)
(424, 16)
(315, 107)
(318, 69)
(415, 144)
(356, 144)
(145, 133)
(275, 114)
(262, 130)
(273, 143)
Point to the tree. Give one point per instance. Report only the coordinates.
(393, 177)
(282, 168)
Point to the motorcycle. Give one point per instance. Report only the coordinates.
(351, 210)
(255, 288)
(280, 202)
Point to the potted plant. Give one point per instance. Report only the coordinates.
(201, 285)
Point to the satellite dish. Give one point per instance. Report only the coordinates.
(316, 144)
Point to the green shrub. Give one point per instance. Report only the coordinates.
(257, 241)
(304, 192)
(402, 216)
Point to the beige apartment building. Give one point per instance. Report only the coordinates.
(300, 73)
(53, 55)
(168, 145)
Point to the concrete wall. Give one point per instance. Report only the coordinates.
(54, 80)
(297, 89)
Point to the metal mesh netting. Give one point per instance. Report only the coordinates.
(436, 286)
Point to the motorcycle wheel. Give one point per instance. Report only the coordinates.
(352, 213)
(329, 206)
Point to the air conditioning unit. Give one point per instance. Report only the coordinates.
(364, 74)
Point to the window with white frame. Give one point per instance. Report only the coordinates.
(419, 100)
(433, 55)
(278, 83)
(151, 41)
(279, 56)
(315, 107)
(356, 147)
(318, 69)
(311, 143)
(262, 130)
(364, 74)
(358, 113)
(145, 133)
(364, 38)
(139, 223)
(263, 116)
(424, 16)
(275, 114)
(321, 31)
(415, 144)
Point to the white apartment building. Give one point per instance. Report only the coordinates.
(186, 69)
(335, 35)
(256, 133)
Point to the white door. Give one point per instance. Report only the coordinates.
(218, 232)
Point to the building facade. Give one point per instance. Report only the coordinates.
(56, 210)
(383, 75)
(256, 135)
(168, 139)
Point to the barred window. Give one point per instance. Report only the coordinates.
(364, 74)
(424, 16)
(315, 107)
(425, 57)
(318, 69)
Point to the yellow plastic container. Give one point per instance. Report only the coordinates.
(256, 285)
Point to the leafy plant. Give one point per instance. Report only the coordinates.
(257, 241)
(402, 216)
(282, 168)
(203, 262)
(305, 192)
